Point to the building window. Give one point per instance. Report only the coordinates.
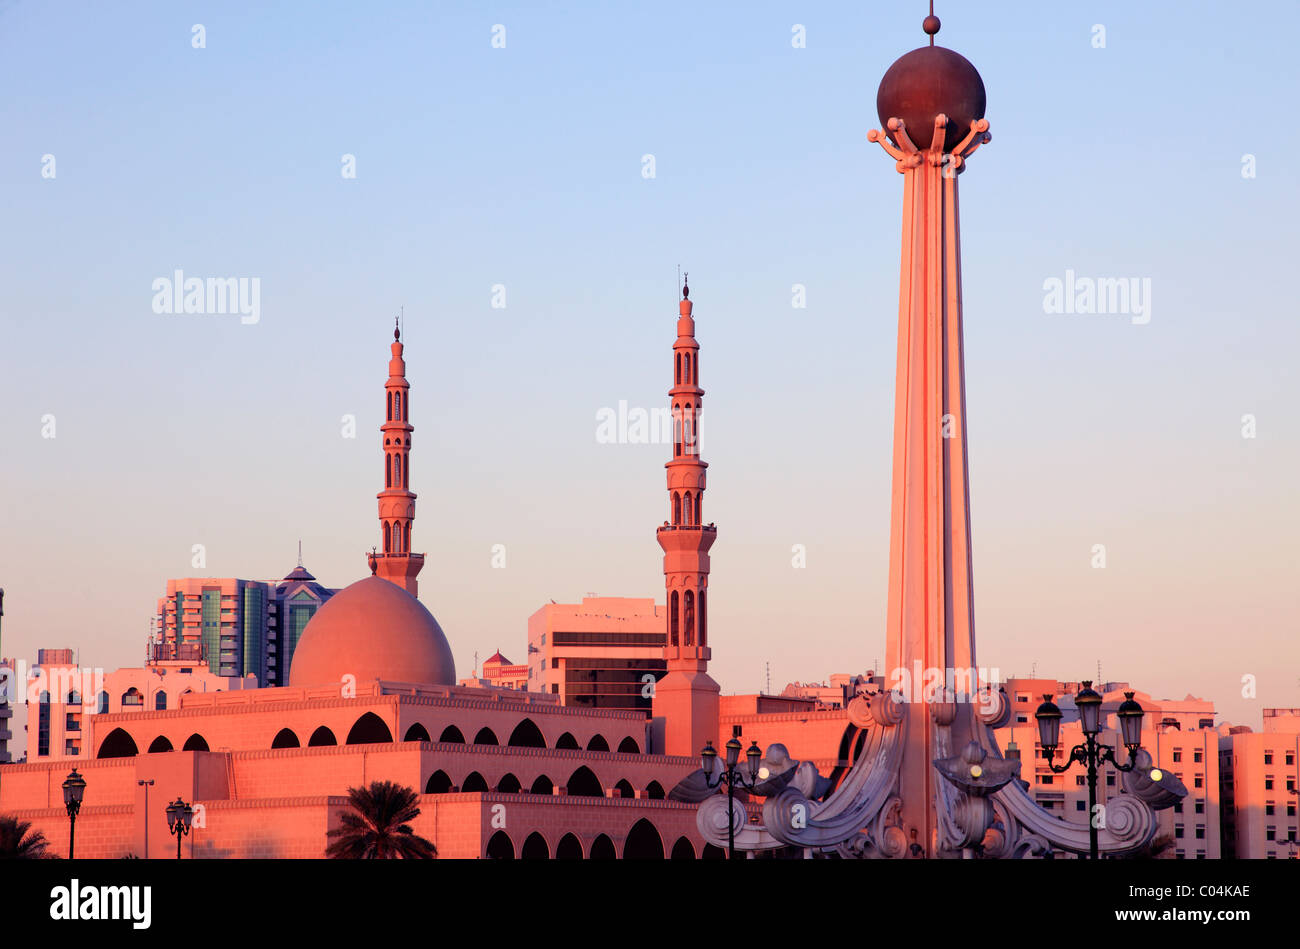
(1198, 781)
(1080, 780)
(1080, 805)
(1197, 756)
(1200, 833)
(1022, 696)
(1269, 809)
(1268, 757)
(1110, 780)
(1178, 831)
(1022, 719)
(1270, 834)
(1200, 807)
(1046, 778)
(1178, 755)
(1268, 784)
(1290, 757)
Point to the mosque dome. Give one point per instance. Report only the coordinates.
(373, 629)
(925, 82)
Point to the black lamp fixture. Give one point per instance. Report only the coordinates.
(1091, 753)
(179, 817)
(715, 774)
(74, 789)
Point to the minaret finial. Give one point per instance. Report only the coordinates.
(397, 325)
(686, 290)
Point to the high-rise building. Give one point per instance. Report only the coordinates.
(686, 699)
(236, 627)
(1260, 774)
(6, 712)
(604, 652)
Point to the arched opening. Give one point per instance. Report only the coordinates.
(500, 847)
(486, 736)
(655, 791)
(451, 734)
(397, 470)
(677, 436)
(583, 783)
(643, 842)
(118, 744)
(397, 405)
(509, 784)
(567, 741)
(527, 735)
(160, 701)
(704, 621)
(711, 852)
(683, 850)
(474, 782)
(672, 620)
(628, 746)
(598, 743)
(388, 475)
(439, 783)
(285, 738)
(688, 617)
(390, 406)
(677, 508)
(602, 848)
(103, 703)
(406, 540)
(535, 848)
(416, 732)
(686, 509)
(369, 729)
(195, 742)
(132, 698)
(542, 785)
(321, 736)
(388, 541)
(159, 745)
(624, 788)
(687, 376)
(846, 741)
(569, 848)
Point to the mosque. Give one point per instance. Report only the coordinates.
(372, 696)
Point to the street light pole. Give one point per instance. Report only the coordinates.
(74, 789)
(179, 817)
(1091, 753)
(146, 785)
(731, 775)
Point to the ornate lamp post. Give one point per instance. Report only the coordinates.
(715, 774)
(179, 816)
(74, 788)
(1091, 753)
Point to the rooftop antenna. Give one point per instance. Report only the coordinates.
(769, 677)
(679, 281)
(300, 553)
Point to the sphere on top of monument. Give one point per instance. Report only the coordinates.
(926, 82)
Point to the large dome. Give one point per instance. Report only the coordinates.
(373, 629)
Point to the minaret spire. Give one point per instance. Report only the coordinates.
(394, 560)
(686, 699)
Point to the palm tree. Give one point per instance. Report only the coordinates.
(19, 842)
(377, 827)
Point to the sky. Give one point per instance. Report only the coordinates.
(1156, 149)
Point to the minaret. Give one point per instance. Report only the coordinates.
(394, 560)
(686, 699)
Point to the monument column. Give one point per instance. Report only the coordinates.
(931, 103)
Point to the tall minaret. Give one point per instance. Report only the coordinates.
(394, 560)
(686, 699)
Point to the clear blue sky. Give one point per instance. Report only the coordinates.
(522, 167)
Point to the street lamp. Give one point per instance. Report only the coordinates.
(74, 789)
(1092, 752)
(732, 775)
(146, 785)
(179, 816)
